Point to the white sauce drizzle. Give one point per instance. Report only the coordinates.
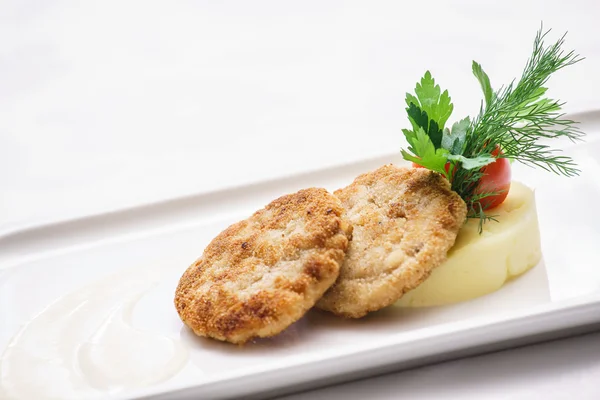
(85, 346)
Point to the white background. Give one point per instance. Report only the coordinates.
(110, 104)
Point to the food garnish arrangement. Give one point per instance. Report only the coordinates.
(402, 236)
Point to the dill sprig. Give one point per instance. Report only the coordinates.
(516, 118)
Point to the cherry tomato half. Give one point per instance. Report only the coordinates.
(496, 178)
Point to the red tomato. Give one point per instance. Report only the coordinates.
(496, 178)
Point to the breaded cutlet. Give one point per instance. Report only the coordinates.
(262, 274)
(405, 220)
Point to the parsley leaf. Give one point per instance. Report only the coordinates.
(410, 99)
(430, 99)
(425, 153)
(419, 119)
(454, 140)
(484, 81)
(472, 163)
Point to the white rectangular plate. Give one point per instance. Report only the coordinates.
(134, 258)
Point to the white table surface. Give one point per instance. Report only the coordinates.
(104, 105)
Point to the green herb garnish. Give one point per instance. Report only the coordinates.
(510, 124)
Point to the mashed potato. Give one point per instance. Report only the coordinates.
(480, 264)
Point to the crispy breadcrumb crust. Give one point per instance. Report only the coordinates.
(262, 274)
(405, 220)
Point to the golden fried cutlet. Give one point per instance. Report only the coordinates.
(405, 221)
(262, 274)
